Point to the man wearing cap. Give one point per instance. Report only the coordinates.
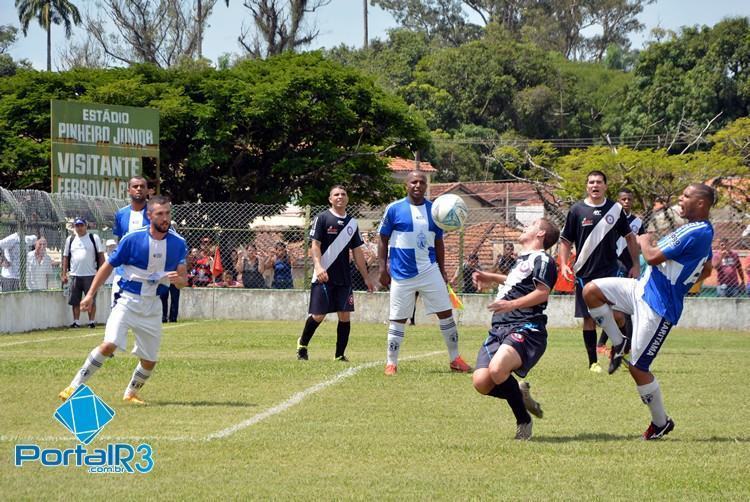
(83, 253)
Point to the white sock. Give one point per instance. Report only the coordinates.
(450, 335)
(140, 375)
(605, 317)
(395, 337)
(93, 362)
(651, 397)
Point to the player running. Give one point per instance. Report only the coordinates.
(518, 337)
(678, 261)
(152, 258)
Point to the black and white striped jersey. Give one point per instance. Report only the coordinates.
(531, 268)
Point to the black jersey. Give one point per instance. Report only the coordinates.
(594, 230)
(530, 268)
(636, 226)
(326, 229)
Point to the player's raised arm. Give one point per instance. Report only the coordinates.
(651, 253)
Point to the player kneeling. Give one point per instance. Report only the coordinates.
(518, 337)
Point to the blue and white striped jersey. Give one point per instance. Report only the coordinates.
(412, 233)
(127, 220)
(666, 284)
(145, 261)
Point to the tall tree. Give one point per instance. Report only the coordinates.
(47, 13)
(278, 26)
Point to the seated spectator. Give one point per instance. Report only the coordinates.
(282, 267)
(250, 268)
(227, 281)
(38, 266)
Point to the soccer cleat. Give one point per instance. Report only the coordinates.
(615, 356)
(92, 325)
(301, 353)
(74, 325)
(133, 398)
(595, 368)
(531, 405)
(601, 349)
(66, 392)
(390, 369)
(656, 432)
(523, 431)
(460, 366)
(343, 359)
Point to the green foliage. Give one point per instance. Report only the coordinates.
(264, 131)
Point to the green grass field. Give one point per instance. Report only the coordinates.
(423, 434)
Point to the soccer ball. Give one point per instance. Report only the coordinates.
(449, 212)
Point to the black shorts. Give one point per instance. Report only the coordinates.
(326, 298)
(79, 286)
(529, 340)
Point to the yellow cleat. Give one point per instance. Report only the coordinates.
(133, 398)
(66, 392)
(595, 368)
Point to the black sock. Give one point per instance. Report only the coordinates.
(342, 337)
(602, 339)
(589, 340)
(509, 391)
(307, 333)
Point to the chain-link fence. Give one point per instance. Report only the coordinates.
(267, 246)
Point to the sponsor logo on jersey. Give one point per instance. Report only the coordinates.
(332, 230)
(587, 222)
(597, 212)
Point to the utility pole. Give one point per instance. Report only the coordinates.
(364, 7)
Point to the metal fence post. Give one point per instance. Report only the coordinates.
(306, 248)
(460, 285)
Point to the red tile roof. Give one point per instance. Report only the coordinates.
(400, 164)
(519, 193)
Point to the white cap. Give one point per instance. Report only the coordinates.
(110, 242)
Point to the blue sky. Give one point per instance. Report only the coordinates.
(341, 22)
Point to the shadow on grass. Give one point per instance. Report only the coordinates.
(582, 437)
(196, 404)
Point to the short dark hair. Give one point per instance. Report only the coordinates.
(625, 190)
(551, 232)
(705, 192)
(158, 199)
(334, 187)
(137, 178)
(596, 173)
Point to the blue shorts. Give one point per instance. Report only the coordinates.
(326, 298)
(529, 340)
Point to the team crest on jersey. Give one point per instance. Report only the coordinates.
(349, 230)
(422, 241)
(517, 337)
(610, 219)
(524, 267)
(587, 222)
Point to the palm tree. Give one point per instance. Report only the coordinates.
(48, 12)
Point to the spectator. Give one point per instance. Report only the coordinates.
(471, 265)
(731, 277)
(190, 265)
(38, 266)
(227, 281)
(250, 268)
(110, 246)
(201, 273)
(83, 254)
(507, 260)
(10, 260)
(282, 267)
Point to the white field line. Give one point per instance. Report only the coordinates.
(300, 396)
(96, 333)
(294, 400)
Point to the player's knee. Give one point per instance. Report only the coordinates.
(107, 348)
(498, 373)
(318, 318)
(482, 381)
(591, 294)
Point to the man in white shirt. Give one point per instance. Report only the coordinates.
(38, 266)
(83, 253)
(10, 260)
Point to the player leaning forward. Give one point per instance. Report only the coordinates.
(152, 258)
(518, 337)
(411, 253)
(655, 301)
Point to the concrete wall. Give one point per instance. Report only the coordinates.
(25, 311)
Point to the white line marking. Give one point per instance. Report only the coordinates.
(300, 396)
(97, 333)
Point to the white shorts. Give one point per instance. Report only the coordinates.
(142, 314)
(649, 328)
(432, 290)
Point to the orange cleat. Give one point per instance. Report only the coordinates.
(460, 366)
(390, 369)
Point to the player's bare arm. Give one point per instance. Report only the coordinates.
(483, 280)
(707, 269)
(99, 278)
(440, 257)
(320, 273)
(564, 258)
(385, 277)
(634, 251)
(651, 253)
(361, 263)
(539, 295)
(178, 277)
